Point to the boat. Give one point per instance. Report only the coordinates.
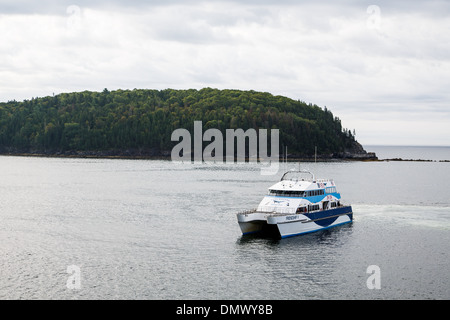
(297, 204)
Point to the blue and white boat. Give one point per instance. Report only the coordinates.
(297, 205)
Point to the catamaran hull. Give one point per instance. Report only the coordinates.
(254, 222)
(283, 226)
(297, 228)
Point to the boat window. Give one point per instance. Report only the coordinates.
(315, 193)
(330, 190)
(301, 209)
(286, 193)
(313, 207)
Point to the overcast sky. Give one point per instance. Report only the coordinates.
(382, 67)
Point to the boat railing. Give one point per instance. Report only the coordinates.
(247, 211)
(277, 210)
(324, 180)
(294, 175)
(268, 209)
(297, 173)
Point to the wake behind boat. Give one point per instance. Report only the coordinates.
(297, 205)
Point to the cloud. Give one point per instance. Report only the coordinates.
(359, 61)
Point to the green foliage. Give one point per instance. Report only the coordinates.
(145, 119)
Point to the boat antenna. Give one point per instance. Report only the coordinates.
(285, 155)
(315, 154)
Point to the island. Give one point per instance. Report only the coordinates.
(138, 123)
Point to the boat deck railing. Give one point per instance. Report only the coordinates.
(282, 211)
(269, 209)
(247, 211)
(298, 175)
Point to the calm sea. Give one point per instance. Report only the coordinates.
(146, 229)
(411, 153)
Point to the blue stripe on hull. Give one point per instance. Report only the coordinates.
(311, 231)
(323, 222)
(328, 213)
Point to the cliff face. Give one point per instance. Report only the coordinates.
(356, 152)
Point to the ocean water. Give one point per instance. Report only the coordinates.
(411, 153)
(147, 229)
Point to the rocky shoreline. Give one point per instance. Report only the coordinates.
(356, 152)
(415, 160)
(166, 155)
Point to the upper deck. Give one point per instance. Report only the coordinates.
(297, 193)
(295, 183)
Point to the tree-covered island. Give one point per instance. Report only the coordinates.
(139, 123)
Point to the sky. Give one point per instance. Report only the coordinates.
(382, 67)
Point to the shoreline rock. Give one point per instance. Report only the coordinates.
(415, 160)
(166, 155)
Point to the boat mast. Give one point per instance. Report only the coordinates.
(315, 154)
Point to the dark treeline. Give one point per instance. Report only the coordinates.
(145, 119)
